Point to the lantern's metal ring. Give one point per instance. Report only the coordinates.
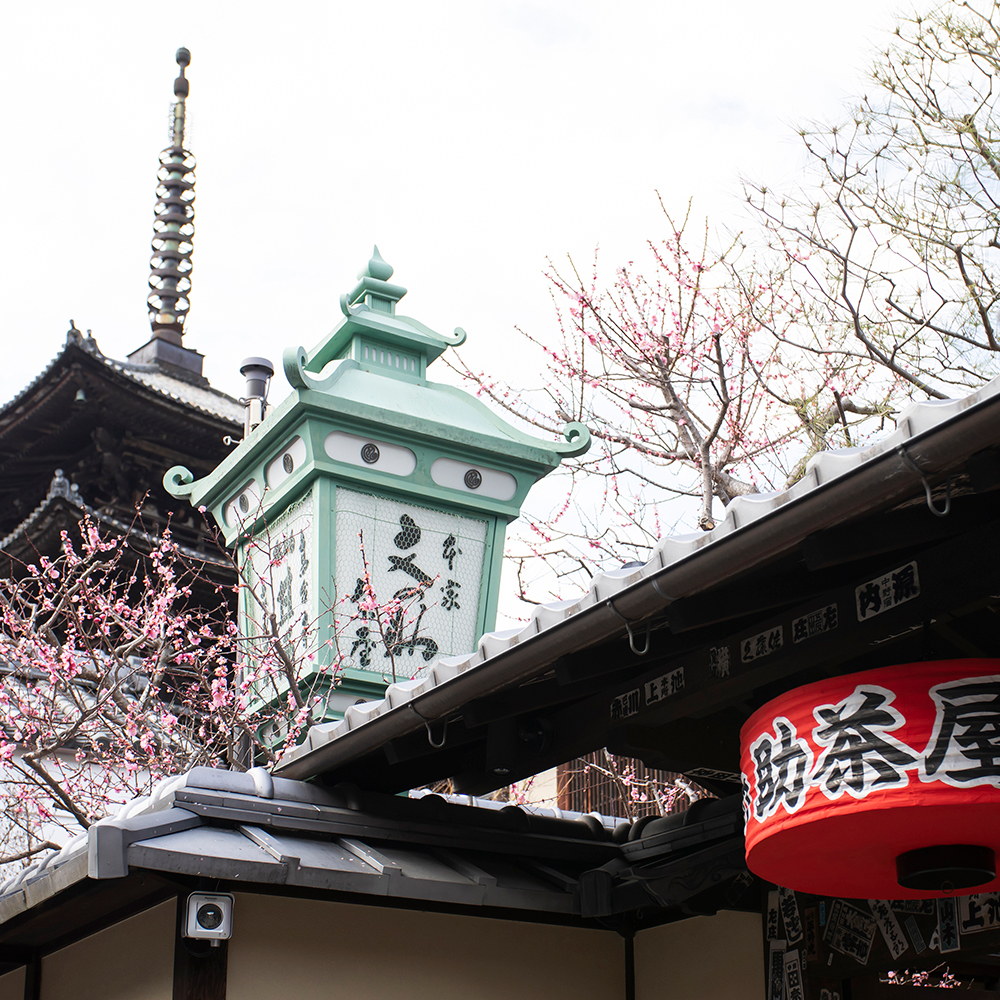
(628, 628)
(946, 510)
(430, 735)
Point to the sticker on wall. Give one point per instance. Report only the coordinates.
(793, 976)
(663, 687)
(922, 906)
(718, 661)
(773, 916)
(776, 971)
(947, 929)
(812, 928)
(979, 912)
(889, 926)
(915, 936)
(875, 597)
(815, 623)
(850, 931)
(624, 705)
(713, 774)
(738, 887)
(789, 906)
(755, 647)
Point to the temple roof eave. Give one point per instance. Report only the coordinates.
(77, 350)
(63, 504)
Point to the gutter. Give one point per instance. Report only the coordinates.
(889, 476)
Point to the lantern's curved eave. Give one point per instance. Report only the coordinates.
(408, 413)
(439, 411)
(399, 331)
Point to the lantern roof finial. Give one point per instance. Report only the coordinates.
(377, 267)
(371, 332)
(373, 289)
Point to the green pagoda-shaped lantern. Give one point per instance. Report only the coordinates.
(368, 482)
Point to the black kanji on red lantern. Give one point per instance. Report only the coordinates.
(781, 770)
(965, 746)
(861, 754)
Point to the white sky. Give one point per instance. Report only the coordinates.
(469, 140)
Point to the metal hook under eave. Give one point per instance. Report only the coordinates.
(946, 510)
(631, 634)
(430, 735)
(631, 639)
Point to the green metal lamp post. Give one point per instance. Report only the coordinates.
(369, 480)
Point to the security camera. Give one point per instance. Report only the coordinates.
(209, 916)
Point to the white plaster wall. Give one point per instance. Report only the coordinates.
(313, 949)
(702, 958)
(12, 985)
(131, 960)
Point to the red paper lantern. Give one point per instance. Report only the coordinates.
(883, 784)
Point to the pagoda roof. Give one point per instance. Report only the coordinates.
(193, 393)
(91, 415)
(63, 509)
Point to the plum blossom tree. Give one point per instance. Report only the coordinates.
(113, 675)
(677, 375)
(712, 373)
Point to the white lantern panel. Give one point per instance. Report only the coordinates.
(370, 454)
(425, 570)
(473, 479)
(278, 562)
(291, 457)
(245, 506)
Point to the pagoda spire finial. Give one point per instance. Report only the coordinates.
(181, 90)
(173, 225)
